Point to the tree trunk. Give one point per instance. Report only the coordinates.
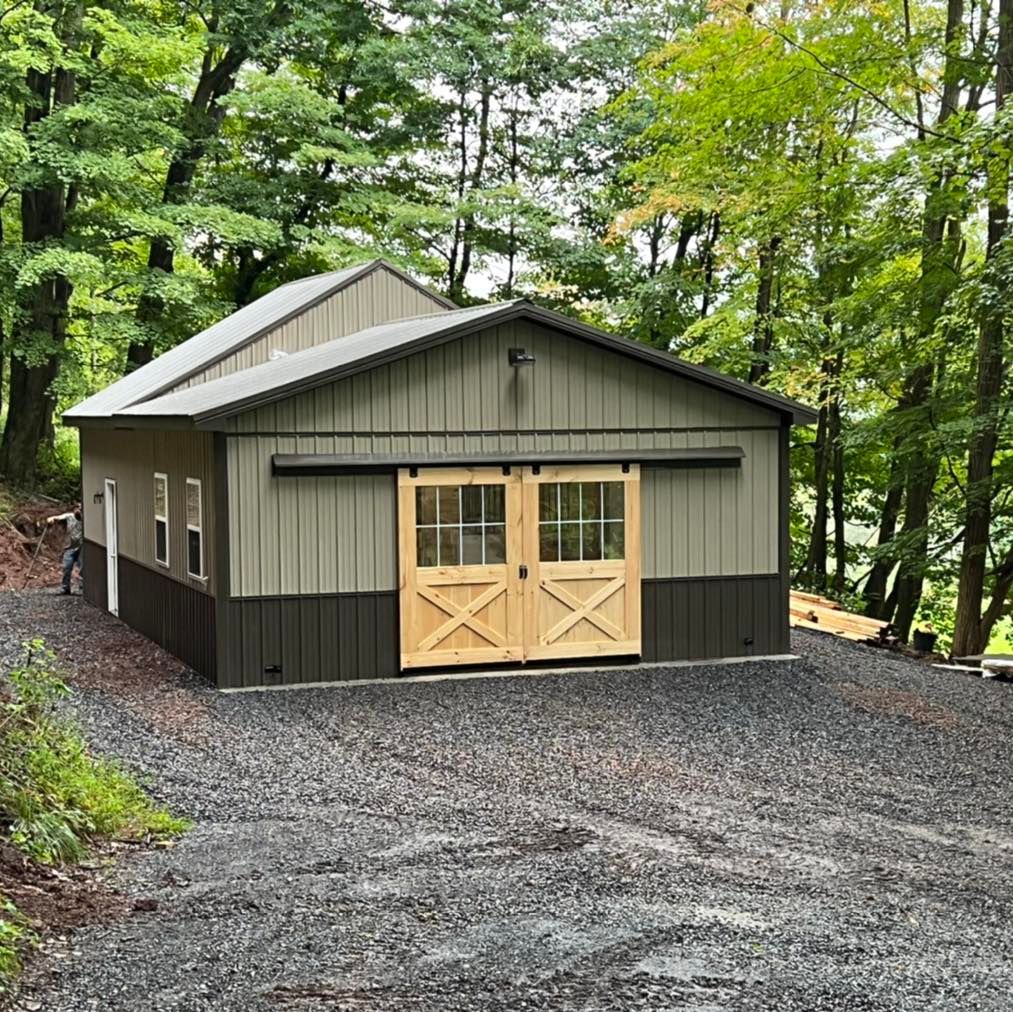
(813, 573)
(42, 320)
(202, 121)
(763, 334)
(474, 180)
(836, 434)
(707, 260)
(969, 636)
(874, 591)
(514, 170)
(922, 469)
(462, 179)
(939, 267)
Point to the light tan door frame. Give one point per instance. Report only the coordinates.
(582, 608)
(460, 614)
(522, 609)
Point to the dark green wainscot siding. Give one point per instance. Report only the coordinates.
(178, 617)
(711, 617)
(175, 615)
(321, 638)
(93, 568)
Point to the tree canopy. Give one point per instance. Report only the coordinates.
(810, 196)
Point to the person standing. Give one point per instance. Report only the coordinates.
(71, 545)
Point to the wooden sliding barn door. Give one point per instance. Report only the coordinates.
(582, 548)
(460, 546)
(539, 563)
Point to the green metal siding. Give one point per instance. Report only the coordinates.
(713, 521)
(325, 535)
(467, 386)
(131, 458)
(377, 298)
(306, 535)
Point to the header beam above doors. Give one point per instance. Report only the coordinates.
(319, 464)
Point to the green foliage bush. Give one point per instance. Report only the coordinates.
(59, 473)
(13, 935)
(55, 796)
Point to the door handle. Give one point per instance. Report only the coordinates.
(522, 572)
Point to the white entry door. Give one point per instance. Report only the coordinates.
(112, 548)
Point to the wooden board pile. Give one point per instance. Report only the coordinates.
(810, 611)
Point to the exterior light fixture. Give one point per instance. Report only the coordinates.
(518, 356)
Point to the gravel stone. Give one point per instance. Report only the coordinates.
(829, 833)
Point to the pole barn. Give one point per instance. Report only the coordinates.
(351, 478)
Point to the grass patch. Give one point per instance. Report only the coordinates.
(56, 798)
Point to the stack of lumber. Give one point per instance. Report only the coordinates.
(810, 611)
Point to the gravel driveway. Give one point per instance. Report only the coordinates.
(829, 833)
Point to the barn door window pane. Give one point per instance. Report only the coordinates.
(581, 521)
(460, 525)
(194, 529)
(161, 503)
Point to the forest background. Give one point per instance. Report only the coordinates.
(810, 196)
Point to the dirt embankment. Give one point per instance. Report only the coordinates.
(30, 551)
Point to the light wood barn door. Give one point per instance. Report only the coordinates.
(460, 546)
(582, 549)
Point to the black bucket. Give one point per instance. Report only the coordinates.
(924, 642)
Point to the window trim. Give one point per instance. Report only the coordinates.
(484, 525)
(198, 528)
(602, 522)
(164, 518)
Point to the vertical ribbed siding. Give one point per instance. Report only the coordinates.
(377, 298)
(286, 641)
(131, 458)
(695, 619)
(714, 522)
(180, 618)
(95, 574)
(467, 385)
(306, 535)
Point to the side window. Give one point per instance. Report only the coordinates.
(460, 525)
(162, 518)
(194, 529)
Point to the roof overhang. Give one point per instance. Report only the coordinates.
(789, 410)
(308, 465)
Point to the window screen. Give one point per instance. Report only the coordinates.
(194, 529)
(161, 503)
(460, 525)
(581, 521)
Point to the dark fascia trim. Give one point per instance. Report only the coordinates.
(320, 464)
(126, 423)
(221, 560)
(522, 309)
(364, 270)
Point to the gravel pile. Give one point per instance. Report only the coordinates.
(832, 833)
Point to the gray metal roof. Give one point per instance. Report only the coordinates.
(386, 342)
(271, 380)
(227, 336)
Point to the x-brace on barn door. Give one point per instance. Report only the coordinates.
(518, 563)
